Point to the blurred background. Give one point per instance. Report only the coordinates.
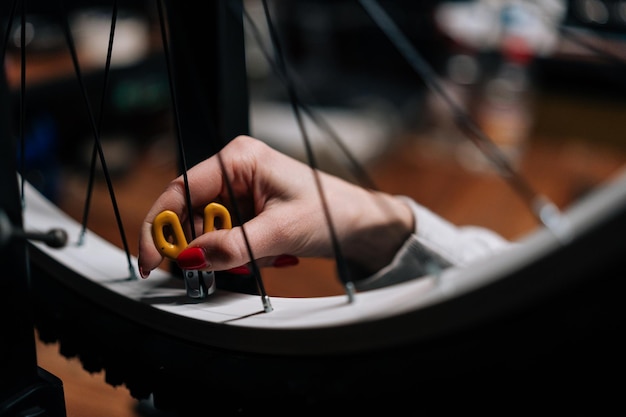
(543, 79)
(505, 62)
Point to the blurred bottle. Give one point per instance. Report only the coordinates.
(459, 79)
(504, 110)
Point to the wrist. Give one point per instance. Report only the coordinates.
(380, 230)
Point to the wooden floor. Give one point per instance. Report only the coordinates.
(561, 169)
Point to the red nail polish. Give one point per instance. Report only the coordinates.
(285, 260)
(240, 270)
(192, 258)
(144, 274)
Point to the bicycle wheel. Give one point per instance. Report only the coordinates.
(493, 329)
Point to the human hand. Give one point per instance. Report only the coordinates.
(280, 203)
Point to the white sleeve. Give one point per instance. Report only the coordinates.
(435, 244)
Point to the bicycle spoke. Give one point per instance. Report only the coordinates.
(95, 131)
(95, 151)
(342, 267)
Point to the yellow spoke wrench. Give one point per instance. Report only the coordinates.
(167, 226)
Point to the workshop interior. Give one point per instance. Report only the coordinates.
(542, 79)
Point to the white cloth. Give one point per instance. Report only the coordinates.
(436, 244)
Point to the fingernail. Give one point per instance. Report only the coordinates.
(143, 274)
(240, 270)
(285, 260)
(192, 258)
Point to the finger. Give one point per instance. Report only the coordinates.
(222, 250)
(260, 238)
(149, 257)
(280, 261)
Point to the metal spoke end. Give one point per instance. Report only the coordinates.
(551, 217)
(267, 306)
(350, 291)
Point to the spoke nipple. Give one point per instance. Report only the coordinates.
(350, 290)
(267, 306)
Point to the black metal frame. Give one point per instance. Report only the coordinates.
(206, 86)
(24, 387)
